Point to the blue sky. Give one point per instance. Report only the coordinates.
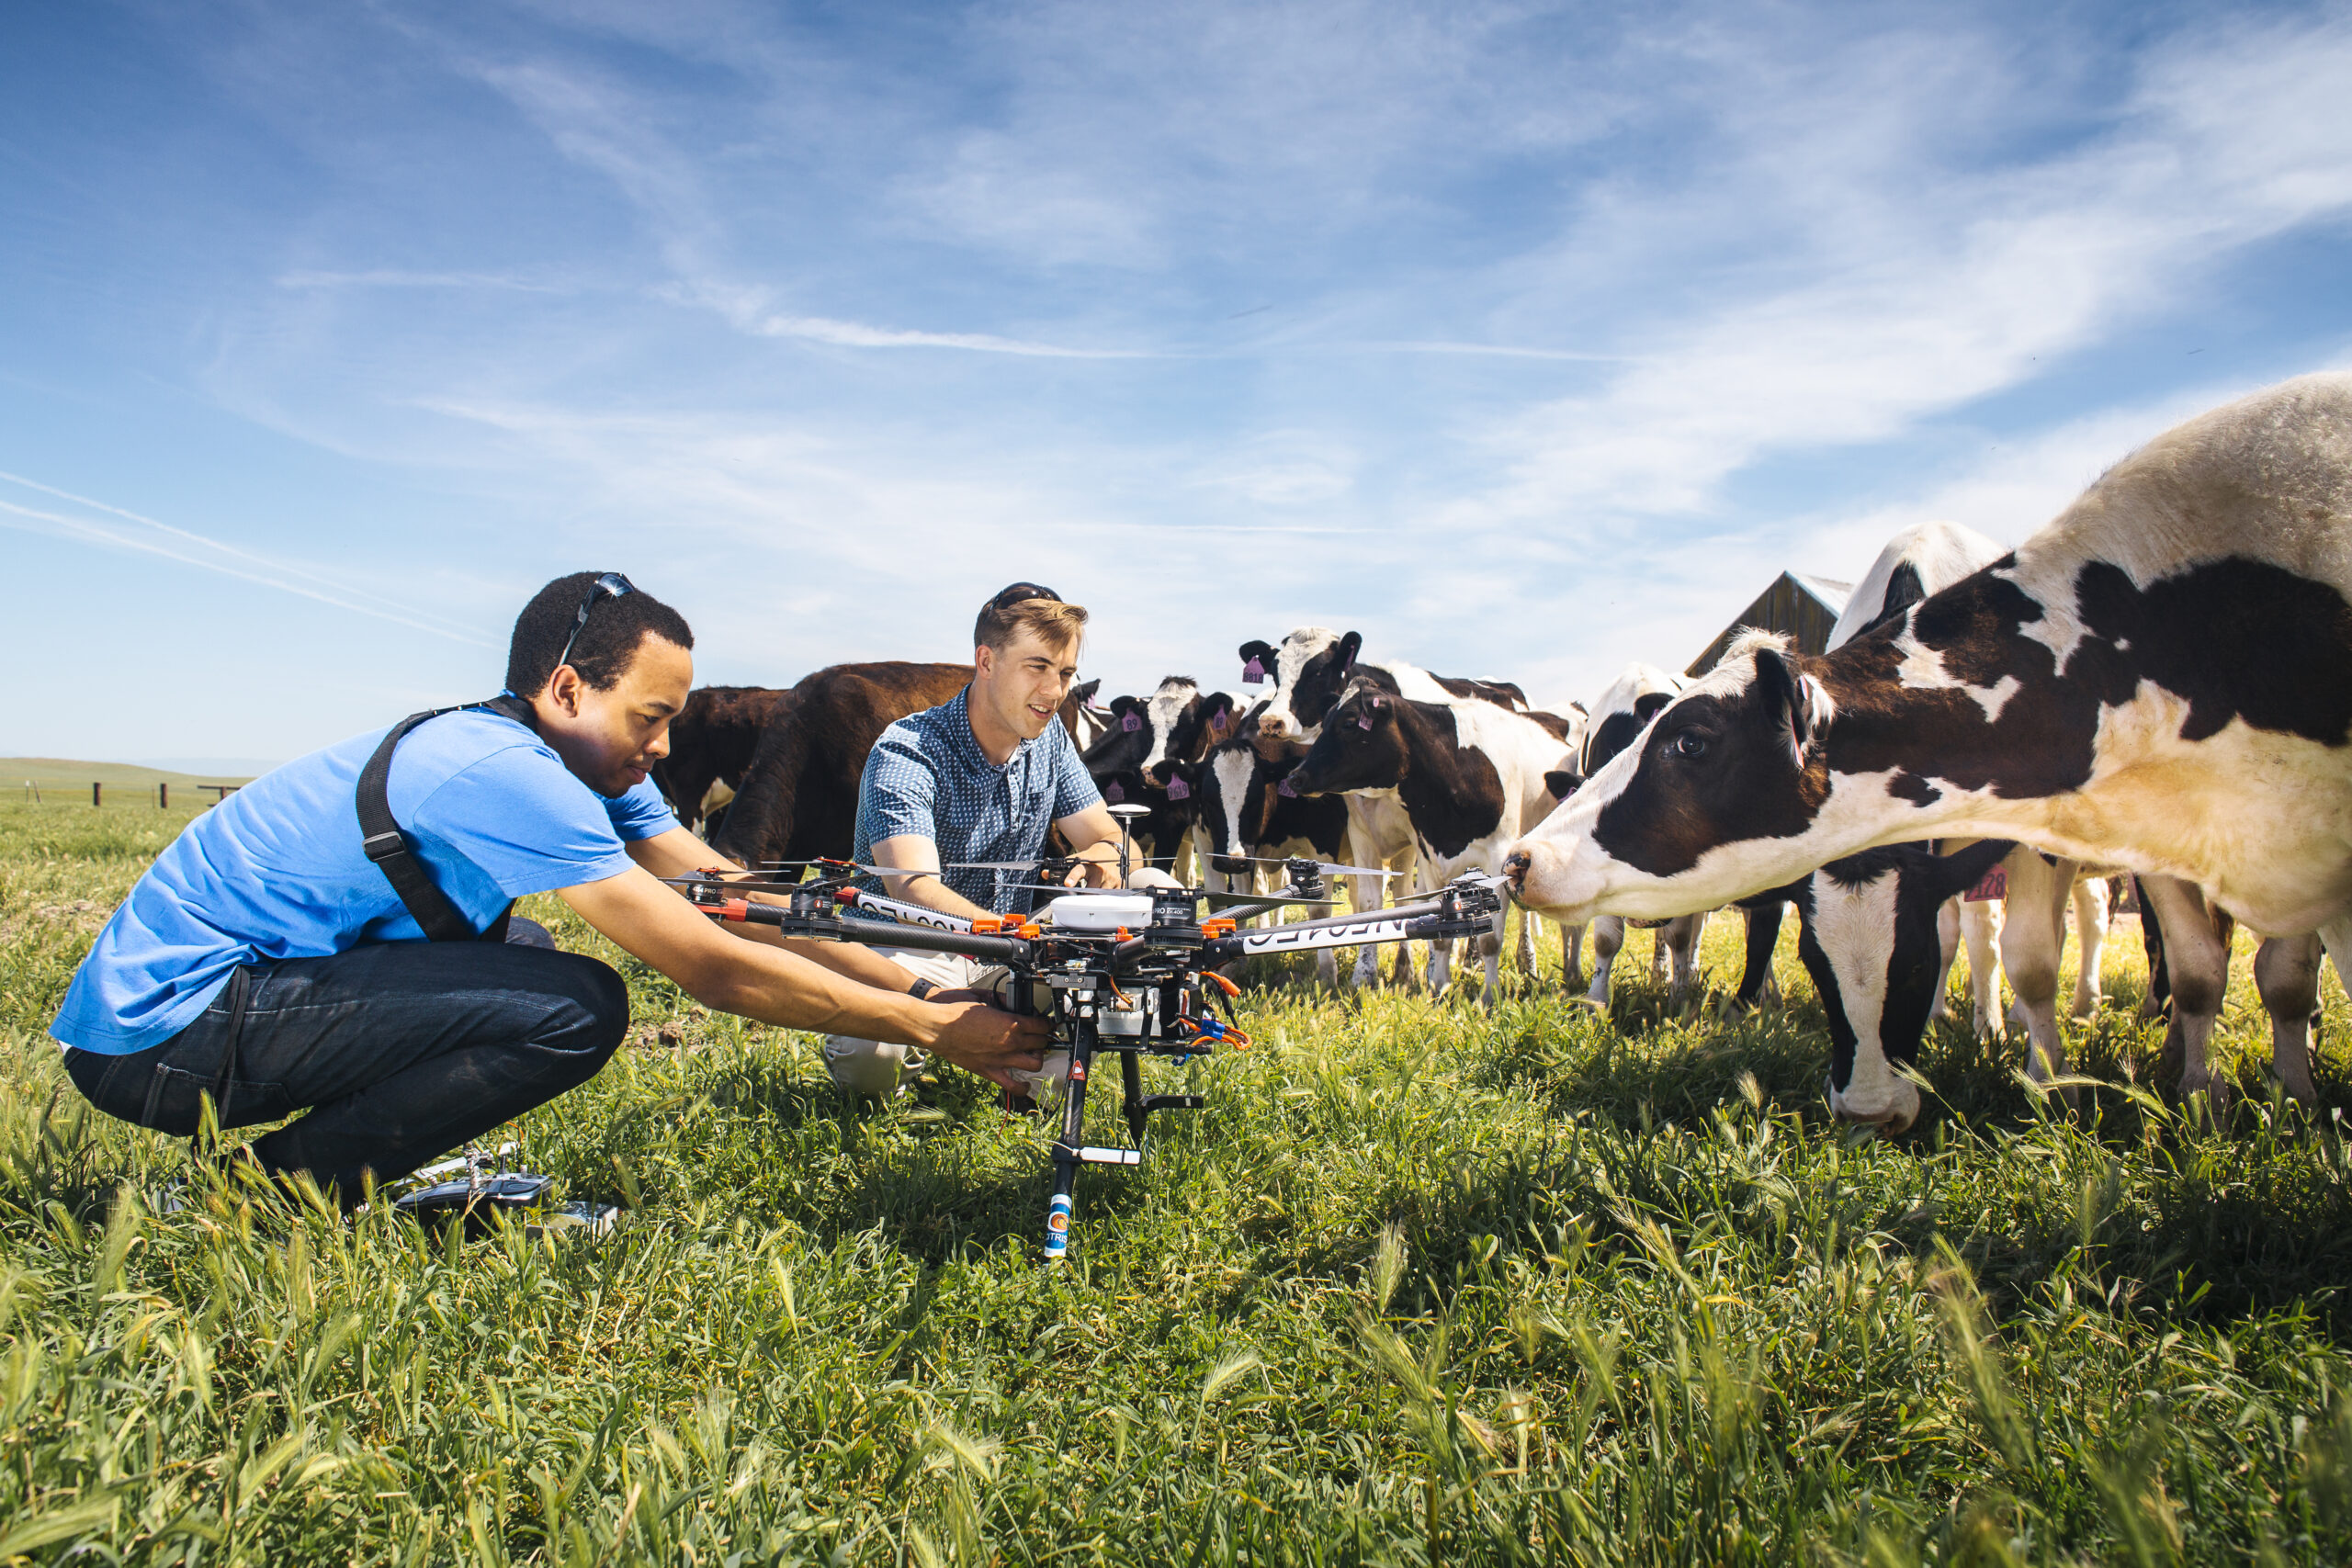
(1527, 340)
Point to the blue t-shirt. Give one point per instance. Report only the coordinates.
(276, 870)
(928, 776)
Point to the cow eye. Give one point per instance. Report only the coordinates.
(1688, 743)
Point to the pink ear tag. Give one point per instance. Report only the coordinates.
(1217, 721)
(1994, 883)
(1253, 673)
(1112, 793)
(1130, 720)
(1179, 790)
(1285, 788)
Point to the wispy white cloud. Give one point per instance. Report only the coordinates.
(389, 278)
(857, 335)
(190, 548)
(1953, 287)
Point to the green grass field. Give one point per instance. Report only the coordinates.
(1423, 1285)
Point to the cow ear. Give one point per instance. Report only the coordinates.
(1349, 645)
(1800, 701)
(1124, 703)
(1646, 706)
(1261, 651)
(1563, 783)
(1085, 692)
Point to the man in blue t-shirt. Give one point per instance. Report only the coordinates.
(268, 963)
(979, 779)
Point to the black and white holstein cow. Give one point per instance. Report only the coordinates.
(1616, 721)
(1144, 739)
(1304, 677)
(1245, 816)
(1926, 558)
(1470, 776)
(2161, 678)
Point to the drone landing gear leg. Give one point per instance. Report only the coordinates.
(1131, 1088)
(1067, 1148)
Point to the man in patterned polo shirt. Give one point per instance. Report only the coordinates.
(980, 777)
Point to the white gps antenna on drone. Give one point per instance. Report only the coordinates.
(1128, 814)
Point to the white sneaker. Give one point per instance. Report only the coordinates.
(872, 1066)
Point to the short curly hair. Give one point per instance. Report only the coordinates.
(606, 646)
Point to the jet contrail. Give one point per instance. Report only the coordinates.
(342, 598)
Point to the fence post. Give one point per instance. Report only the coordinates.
(164, 795)
(95, 787)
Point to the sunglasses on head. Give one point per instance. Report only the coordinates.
(1021, 590)
(612, 584)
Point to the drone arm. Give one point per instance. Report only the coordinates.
(775, 986)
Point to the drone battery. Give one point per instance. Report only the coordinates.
(1130, 1022)
(1099, 911)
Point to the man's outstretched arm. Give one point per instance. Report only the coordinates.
(647, 918)
(679, 853)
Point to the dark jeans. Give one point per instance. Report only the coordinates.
(402, 1051)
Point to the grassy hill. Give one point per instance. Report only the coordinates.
(1423, 1285)
(63, 778)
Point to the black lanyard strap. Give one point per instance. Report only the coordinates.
(381, 838)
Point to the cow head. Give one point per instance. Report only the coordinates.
(1172, 714)
(1732, 760)
(1307, 670)
(1233, 791)
(1624, 711)
(1125, 744)
(1870, 943)
(1362, 745)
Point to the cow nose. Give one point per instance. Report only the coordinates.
(1515, 867)
(1232, 865)
(1270, 727)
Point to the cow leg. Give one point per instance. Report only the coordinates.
(2090, 925)
(1524, 953)
(1757, 984)
(1980, 925)
(1681, 937)
(1571, 958)
(1608, 936)
(1657, 956)
(2033, 930)
(1948, 918)
(2197, 959)
(2157, 1002)
(2286, 974)
(1490, 949)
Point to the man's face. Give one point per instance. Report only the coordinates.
(611, 739)
(1023, 682)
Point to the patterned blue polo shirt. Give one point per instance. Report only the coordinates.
(928, 776)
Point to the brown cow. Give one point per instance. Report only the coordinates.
(712, 741)
(798, 799)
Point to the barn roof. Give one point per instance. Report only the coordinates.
(1804, 606)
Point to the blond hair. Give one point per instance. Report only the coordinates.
(1057, 625)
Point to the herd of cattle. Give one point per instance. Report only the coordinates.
(2158, 683)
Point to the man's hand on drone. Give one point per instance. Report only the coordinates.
(982, 1038)
(1151, 876)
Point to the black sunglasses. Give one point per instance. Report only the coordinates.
(1022, 591)
(612, 584)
